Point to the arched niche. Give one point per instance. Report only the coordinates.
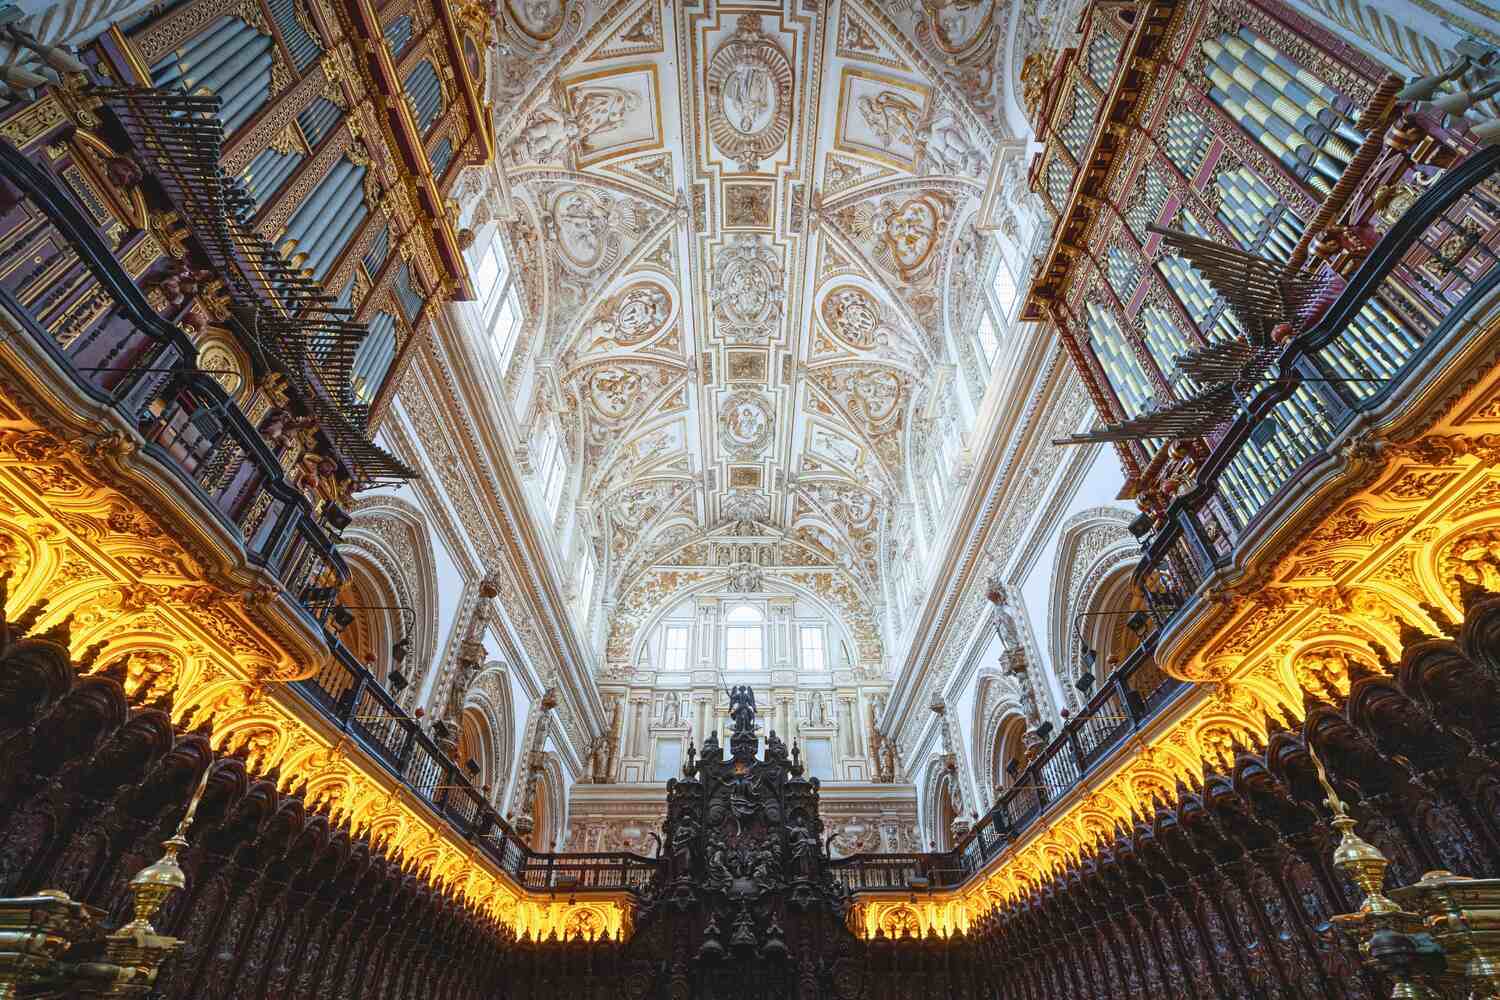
(487, 734)
(1008, 751)
(388, 546)
(1090, 596)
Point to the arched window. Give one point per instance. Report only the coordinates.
(744, 639)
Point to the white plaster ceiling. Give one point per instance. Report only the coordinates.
(747, 238)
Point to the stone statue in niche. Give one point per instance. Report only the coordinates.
(817, 710)
(671, 710)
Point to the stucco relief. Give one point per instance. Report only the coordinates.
(745, 424)
(749, 94)
(748, 292)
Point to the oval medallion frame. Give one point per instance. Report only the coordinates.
(747, 61)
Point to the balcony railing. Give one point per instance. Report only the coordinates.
(1414, 291)
(61, 282)
(1134, 694)
(65, 287)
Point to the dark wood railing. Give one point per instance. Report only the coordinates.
(1127, 701)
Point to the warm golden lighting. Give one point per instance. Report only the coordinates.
(1381, 551)
(135, 586)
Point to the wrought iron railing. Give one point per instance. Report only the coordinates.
(117, 350)
(1125, 703)
(1408, 298)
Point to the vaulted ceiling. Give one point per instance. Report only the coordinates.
(746, 234)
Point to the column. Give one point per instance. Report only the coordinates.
(781, 637)
(858, 718)
(708, 632)
(700, 717)
(638, 741)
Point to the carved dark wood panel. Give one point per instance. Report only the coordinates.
(1226, 891)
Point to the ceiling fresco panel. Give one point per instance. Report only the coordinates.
(755, 227)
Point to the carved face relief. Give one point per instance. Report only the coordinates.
(540, 19)
(852, 315)
(955, 25)
(749, 94)
(613, 391)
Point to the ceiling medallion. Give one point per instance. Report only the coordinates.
(957, 27)
(747, 291)
(632, 316)
(852, 315)
(909, 231)
(749, 94)
(746, 423)
(541, 20)
(583, 228)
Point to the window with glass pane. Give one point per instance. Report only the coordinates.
(742, 640)
(503, 330)
(1005, 290)
(552, 489)
(674, 654)
(586, 585)
(989, 343)
(813, 657)
(491, 273)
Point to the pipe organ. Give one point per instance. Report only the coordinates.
(1234, 135)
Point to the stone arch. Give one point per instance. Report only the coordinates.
(1007, 750)
(997, 701)
(549, 811)
(935, 806)
(389, 550)
(1095, 551)
(489, 717)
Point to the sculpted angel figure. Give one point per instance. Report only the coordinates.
(892, 117)
(545, 137)
(742, 708)
(945, 148)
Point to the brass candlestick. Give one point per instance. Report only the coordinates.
(1355, 856)
(136, 949)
